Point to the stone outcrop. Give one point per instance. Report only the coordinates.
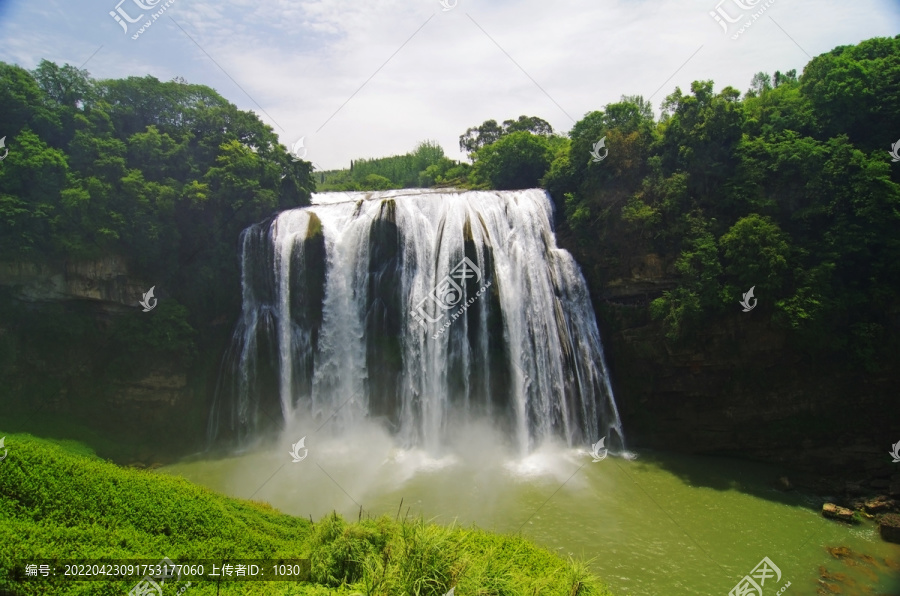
(105, 280)
(880, 504)
(143, 399)
(889, 527)
(832, 511)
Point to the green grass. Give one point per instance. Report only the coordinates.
(59, 501)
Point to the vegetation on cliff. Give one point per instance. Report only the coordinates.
(60, 502)
(789, 188)
(166, 174)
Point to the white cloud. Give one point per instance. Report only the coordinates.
(301, 61)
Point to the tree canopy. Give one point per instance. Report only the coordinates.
(789, 188)
(166, 174)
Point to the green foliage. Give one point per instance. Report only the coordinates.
(164, 332)
(518, 160)
(679, 310)
(424, 167)
(490, 132)
(756, 252)
(31, 179)
(700, 291)
(854, 91)
(789, 189)
(60, 499)
(163, 174)
(376, 182)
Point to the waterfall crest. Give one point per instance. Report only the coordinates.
(421, 309)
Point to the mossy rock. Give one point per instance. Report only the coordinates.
(889, 527)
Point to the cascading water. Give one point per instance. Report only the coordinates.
(421, 309)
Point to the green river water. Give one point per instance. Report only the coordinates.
(657, 524)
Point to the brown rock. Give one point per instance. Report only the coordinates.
(880, 504)
(833, 511)
(889, 527)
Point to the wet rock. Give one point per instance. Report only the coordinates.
(839, 552)
(889, 527)
(880, 504)
(832, 511)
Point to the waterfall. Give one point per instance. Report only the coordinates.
(420, 309)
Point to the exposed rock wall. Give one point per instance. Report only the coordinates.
(741, 390)
(56, 359)
(105, 281)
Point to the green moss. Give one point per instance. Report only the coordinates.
(57, 501)
(314, 229)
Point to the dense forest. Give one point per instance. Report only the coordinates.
(788, 187)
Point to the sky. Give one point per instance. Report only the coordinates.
(371, 78)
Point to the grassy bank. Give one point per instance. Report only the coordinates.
(59, 501)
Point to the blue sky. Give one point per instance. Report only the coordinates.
(432, 73)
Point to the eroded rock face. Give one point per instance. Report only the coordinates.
(59, 351)
(104, 280)
(159, 388)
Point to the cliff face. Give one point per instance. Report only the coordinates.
(106, 282)
(59, 360)
(741, 389)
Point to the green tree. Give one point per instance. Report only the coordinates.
(855, 90)
(756, 254)
(31, 179)
(376, 182)
(518, 160)
(490, 132)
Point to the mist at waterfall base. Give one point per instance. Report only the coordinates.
(491, 421)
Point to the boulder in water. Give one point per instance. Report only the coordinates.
(880, 504)
(832, 511)
(889, 527)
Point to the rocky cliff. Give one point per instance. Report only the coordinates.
(741, 389)
(63, 369)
